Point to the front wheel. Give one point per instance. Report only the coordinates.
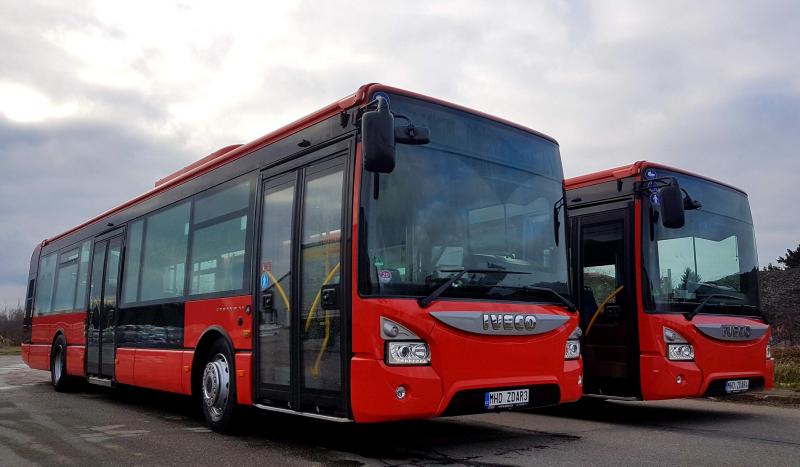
(218, 387)
(58, 365)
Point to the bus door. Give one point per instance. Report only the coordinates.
(300, 364)
(100, 326)
(606, 296)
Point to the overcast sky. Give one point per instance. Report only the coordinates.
(100, 99)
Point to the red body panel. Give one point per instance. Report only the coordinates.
(39, 356)
(124, 364)
(159, 369)
(75, 360)
(72, 325)
(714, 359)
(244, 380)
(224, 313)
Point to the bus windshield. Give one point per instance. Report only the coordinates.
(713, 256)
(479, 197)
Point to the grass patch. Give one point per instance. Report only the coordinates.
(787, 368)
(9, 350)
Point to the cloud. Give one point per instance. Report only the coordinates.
(712, 87)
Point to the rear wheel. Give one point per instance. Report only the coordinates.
(58, 365)
(218, 387)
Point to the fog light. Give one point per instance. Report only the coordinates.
(580, 380)
(769, 352)
(400, 392)
(679, 379)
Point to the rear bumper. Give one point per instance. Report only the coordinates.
(666, 379)
(374, 383)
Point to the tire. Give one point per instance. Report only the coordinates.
(217, 389)
(58, 366)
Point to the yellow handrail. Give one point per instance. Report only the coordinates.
(601, 308)
(318, 361)
(319, 294)
(280, 290)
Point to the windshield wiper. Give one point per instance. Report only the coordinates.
(425, 302)
(564, 300)
(702, 304)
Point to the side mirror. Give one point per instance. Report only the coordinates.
(378, 137)
(672, 214)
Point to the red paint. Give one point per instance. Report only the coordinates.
(123, 366)
(244, 380)
(39, 356)
(223, 313)
(219, 152)
(632, 170)
(25, 353)
(76, 364)
(158, 369)
(72, 325)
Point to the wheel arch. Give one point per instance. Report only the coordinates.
(209, 336)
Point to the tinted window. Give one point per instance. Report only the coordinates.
(44, 287)
(133, 259)
(66, 280)
(218, 240)
(164, 257)
(83, 276)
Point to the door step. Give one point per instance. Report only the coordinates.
(304, 414)
(99, 381)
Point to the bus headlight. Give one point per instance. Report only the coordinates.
(769, 351)
(678, 348)
(407, 353)
(573, 348)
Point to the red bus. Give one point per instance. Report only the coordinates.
(389, 256)
(664, 267)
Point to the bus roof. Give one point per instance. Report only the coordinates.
(631, 170)
(235, 151)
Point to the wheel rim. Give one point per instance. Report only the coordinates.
(216, 383)
(58, 365)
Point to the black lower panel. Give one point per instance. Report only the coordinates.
(717, 388)
(152, 326)
(472, 401)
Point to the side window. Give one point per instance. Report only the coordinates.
(44, 286)
(66, 280)
(164, 256)
(133, 258)
(83, 276)
(219, 237)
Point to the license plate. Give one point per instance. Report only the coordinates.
(737, 385)
(512, 398)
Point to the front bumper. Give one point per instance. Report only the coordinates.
(374, 384)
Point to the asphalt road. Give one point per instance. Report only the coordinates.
(124, 427)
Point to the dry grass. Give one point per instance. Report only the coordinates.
(9, 350)
(787, 368)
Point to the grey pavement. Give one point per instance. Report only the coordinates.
(100, 426)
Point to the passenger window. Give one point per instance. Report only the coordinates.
(133, 258)
(164, 258)
(66, 280)
(44, 287)
(83, 276)
(219, 236)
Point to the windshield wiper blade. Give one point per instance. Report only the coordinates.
(702, 304)
(425, 302)
(564, 300)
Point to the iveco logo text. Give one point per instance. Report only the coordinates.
(508, 322)
(730, 330)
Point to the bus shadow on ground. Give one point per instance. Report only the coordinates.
(641, 413)
(437, 441)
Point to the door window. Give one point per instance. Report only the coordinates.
(321, 256)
